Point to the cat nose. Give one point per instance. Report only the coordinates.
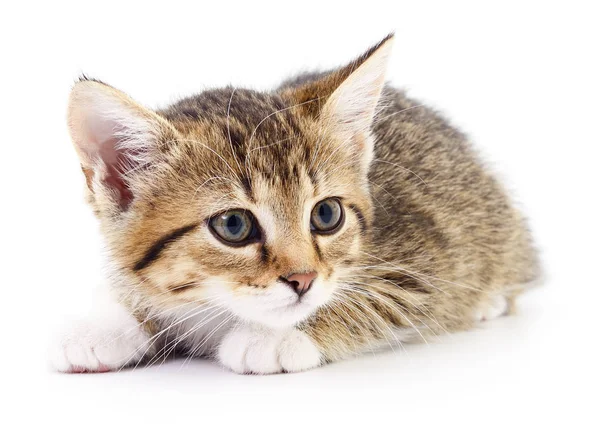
(300, 282)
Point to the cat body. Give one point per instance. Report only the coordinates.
(279, 231)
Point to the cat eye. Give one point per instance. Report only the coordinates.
(327, 216)
(236, 227)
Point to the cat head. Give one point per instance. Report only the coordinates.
(256, 202)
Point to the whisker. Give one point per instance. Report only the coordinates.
(207, 338)
(277, 112)
(378, 296)
(418, 305)
(229, 130)
(380, 119)
(402, 168)
(385, 324)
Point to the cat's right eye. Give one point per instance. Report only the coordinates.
(236, 227)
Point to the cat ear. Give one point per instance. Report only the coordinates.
(346, 99)
(113, 136)
(350, 109)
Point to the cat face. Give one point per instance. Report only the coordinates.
(235, 230)
(257, 203)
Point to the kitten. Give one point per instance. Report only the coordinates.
(278, 231)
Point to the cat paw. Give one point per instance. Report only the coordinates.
(91, 346)
(496, 307)
(263, 351)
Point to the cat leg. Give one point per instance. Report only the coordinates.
(355, 325)
(494, 307)
(257, 349)
(500, 303)
(109, 339)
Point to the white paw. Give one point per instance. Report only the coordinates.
(260, 350)
(497, 306)
(97, 345)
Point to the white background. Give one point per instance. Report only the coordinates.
(521, 79)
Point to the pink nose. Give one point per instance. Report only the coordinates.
(301, 282)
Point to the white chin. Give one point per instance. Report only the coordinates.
(279, 307)
(283, 317)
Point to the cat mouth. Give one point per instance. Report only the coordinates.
(304, 306)
(296, 304)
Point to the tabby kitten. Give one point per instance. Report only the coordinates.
(278, 231)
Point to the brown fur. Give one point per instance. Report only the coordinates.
(430, 235)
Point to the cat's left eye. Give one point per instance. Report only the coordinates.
(327, 216)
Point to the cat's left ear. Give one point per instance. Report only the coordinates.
(346, 100)
(350, 109)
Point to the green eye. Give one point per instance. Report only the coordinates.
(236, 227)
(327, 216)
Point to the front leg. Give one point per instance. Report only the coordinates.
(353, 324)
(250, 348)
(108, 339)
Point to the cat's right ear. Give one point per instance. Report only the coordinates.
(114, 137)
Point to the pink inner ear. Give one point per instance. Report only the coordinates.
(106, 147)
(114, 180)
